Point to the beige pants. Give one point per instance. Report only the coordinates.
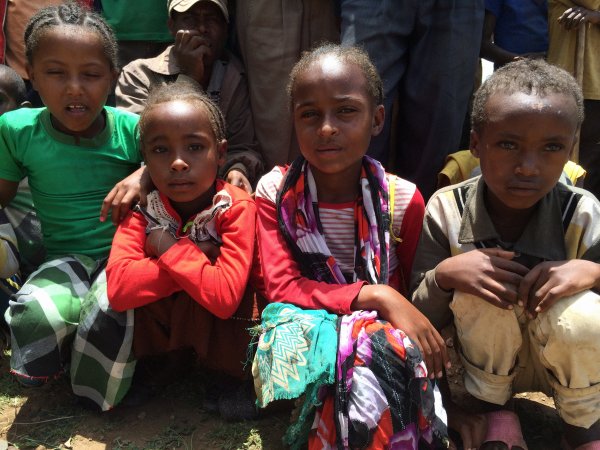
(272, 35)
(558, 353)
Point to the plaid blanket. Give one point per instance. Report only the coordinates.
(44, 318)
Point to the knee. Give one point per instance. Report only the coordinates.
(34, 312)
(573, 322)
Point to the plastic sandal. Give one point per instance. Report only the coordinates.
(594, 445)
(504, 432)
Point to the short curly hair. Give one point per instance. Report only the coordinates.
(13, 83)
(69, 14)
(528, 76)
(352, 55)
(186, 92)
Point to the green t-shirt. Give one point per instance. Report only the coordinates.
(139, 20)
(69, 179)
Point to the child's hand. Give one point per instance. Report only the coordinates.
(210, 249)
(159, 241)
(120, 199)
(574, 17)
(471, 427)
(238, 179)
(550, 281)
(190, 49)
(401, 313)
(489, 274)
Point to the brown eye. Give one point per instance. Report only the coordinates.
(507, 145)
(554, 147)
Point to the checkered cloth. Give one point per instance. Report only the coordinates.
(62, 311)
(102, 361)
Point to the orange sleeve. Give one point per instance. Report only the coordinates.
(133, 279)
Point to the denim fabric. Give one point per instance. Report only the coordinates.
(426, 52)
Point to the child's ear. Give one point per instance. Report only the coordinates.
(222, 152)
(574, 145)
(30, 75)
(474, 143)
(143, 151)
(114, 76)
(378, 120)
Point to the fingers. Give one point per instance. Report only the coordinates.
(146, 186)
(238, 179)
(118, 201)
(184, 37)
(124, 206)
(107, 203)
(510, 266)
(467, 439)
(441, 360)
(434, 352)
(498, 252)
(116, 206)
(502, 294)
(573, 17)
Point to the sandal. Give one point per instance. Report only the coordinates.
(504, 432)
(594, 445)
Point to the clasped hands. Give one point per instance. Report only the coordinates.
(492, 275)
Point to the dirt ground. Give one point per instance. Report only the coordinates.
(50, 417)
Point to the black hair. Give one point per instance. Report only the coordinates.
(528, 76)
(186, 92)
(351, 55)
(69, 14)
(14, 84)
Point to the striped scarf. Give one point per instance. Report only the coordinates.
(298, 218)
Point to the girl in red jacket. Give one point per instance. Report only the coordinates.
(183, 261)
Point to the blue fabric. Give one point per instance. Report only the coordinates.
(296, 355)
(296, 348)
(521, 25)
(426, 52)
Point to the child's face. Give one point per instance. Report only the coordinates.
(73, 76)
(334, 116)
(7, 101)
(523, 147)
(182, 154)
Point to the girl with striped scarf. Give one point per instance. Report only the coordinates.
(337, 236)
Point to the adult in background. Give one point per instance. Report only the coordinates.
(564, 19)
(272, 34)
(141, 27)
(198, 56)
(426, 53)
(514, 29)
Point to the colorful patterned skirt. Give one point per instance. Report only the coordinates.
(363, 381)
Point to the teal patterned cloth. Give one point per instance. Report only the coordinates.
(295, 356)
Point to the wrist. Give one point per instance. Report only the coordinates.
(440, 276)
(372, 297)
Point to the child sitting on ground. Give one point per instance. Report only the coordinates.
(337, 236)
(74, 151)
(514, 257)
(184, 261)
(13, 95)
(199, 56)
